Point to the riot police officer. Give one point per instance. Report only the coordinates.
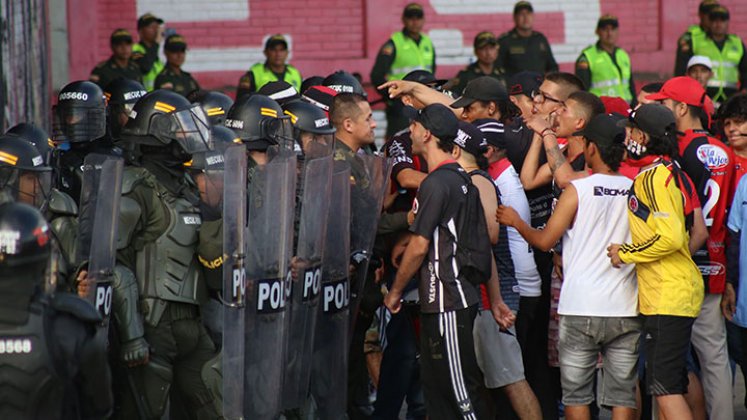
(55, 368)
(79, 129)
(163, 340)
(121, 95)
(36, 136)
(215, 104)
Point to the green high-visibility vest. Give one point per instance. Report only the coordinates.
(410, 55)
(695, 30)
(606, 78)
(150, 77)
(263, 75)
(725, 62)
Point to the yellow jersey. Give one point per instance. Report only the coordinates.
(669, 282)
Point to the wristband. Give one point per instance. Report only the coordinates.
(542, 134)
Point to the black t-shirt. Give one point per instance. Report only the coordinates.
(440, 197)
(399, 149)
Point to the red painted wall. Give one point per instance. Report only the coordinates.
(333, 34)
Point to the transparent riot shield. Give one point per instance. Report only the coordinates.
(98, 220)
(330, 359)
(366, 199)
(311, 220)
(234, 281)
(269, 243)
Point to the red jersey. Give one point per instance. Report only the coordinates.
(710, 165)
(740, 168)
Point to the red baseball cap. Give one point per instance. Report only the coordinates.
(615, 105)
(681, 89)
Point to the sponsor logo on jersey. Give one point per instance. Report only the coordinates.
(713, 268)
(712, 156)
(601, 191)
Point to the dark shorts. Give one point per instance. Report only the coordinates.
(667, 342)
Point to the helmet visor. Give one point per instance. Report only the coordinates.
(78, 124)
(188, 127)
(28, 187)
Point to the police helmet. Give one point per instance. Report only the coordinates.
(215, 104)
(24, 176)
(162, 117)
(122, 94)
(258, 121)
(309, 82)
(311, 128)
(344, 82)
(36, 136)
(220, 139)
(80, 113)
(24, 237)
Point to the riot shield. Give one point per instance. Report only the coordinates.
(98, 220)
(312, 207)
(366, 199)
(330, 359)
(234, 281)
(271, 198)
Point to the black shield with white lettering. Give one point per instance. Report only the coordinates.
(269, 248)
(98, 220)
(234, 281)
(330, 358)
(311, 221)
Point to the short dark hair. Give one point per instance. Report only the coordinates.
(652, 87)
(591, 105)
(506, 108)
(446, 144)
(611, 154)
(569, 82)
(345, 105)
(735, 108)
(665, 145)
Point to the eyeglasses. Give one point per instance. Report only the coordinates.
(540, 97)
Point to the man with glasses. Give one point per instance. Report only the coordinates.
(604, 67)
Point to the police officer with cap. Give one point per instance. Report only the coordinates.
(121, 95)
(145, 52)
(273, 69)
(407, 50)
(604, 67)
(119, 64)
(157, 313)
(54, 367)
(522, 48)
(486, 52)
(172, 77)
(684, 43)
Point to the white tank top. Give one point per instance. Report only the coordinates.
(591, 285)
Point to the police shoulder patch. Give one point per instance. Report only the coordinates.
(387, 49)
(167, 85)
(73, 305)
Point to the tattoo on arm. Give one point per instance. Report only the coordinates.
(555, 158)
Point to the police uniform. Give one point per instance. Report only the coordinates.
(606, 74)
(108, 70)
(472, 72)
(260, 74)
(146, 56)
(402, 53)
(728, 58)
(518, 53)
(684, 42)
(173, 77)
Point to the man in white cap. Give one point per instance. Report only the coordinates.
(700, 68)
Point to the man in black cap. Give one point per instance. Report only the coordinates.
(522, 48)
(119, 64)
(172, 77)
(726, 51)
(407, 50)
(145, 52)
(486, 52)
(684, 43)
(274, 68)
(604, 67)
(451, 378)
(521, 87)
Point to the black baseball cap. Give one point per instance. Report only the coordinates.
(470, 139)
(604, 130)
(413, 10)
(424, 77)
(484, 38)
(607, 19)
(484, 88)
(525, 83)
(654, 119)
(277, 39)
(706, 6)
(120, 36)
(493, 131)
(147, 19)
(718, 12)
(523, 5)
(175, 43)
(439, 120)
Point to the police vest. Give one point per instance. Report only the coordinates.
(150, 77)
(410, 56)
(263, 75)
(31, 387)
(606, 78)
(695, 30)
(725, 62)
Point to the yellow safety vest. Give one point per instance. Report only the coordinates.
(725, 62)
(263, 75)
(410, 55)
(606, 78)
(150, 77)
